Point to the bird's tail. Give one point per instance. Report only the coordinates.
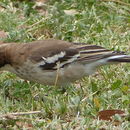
(98, 54)
(119, 58)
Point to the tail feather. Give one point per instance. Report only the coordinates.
(119, 58)
(89, 54)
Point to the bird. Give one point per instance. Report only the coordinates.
(56, 62)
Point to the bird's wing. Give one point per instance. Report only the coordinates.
(91, 53)
(50, 55)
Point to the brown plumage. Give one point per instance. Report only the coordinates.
(42, 61)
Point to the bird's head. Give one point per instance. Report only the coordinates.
(3, 59)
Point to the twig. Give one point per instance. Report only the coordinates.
(19, 114)
(41, 20)
(57, 74)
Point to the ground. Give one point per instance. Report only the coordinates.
(102, 22)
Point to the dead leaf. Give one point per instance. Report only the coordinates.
(3, 34)
(107, 114)
(71, 12)
(26, 125)
(1, 9)
(41, 7)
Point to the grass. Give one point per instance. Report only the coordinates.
(103, 23)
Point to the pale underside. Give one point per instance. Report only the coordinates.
(61, 77)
